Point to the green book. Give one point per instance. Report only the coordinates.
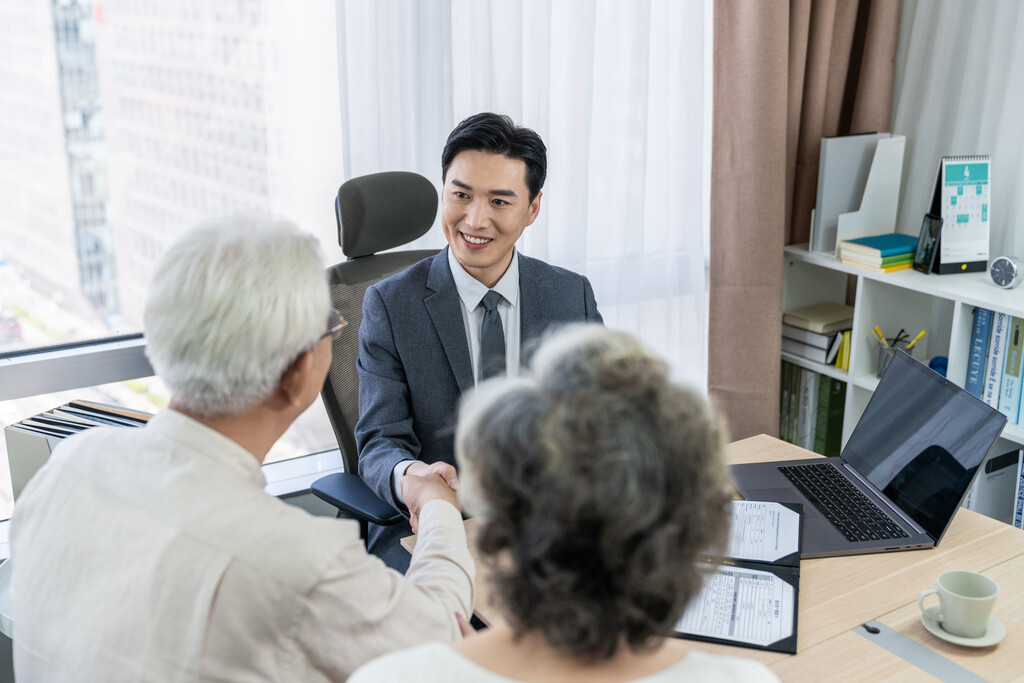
(897, 259)
(1010, 386)
(794, 403)
(828, 439)
(821, 422)
(880, 261)
(783, 399)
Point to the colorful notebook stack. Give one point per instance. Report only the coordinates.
(879, 253)
(994, 367)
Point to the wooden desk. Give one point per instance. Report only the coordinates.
(838, 594)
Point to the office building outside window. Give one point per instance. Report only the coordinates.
(122, 124)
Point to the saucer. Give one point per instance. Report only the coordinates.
(994, 632)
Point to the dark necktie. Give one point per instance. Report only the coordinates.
(492, 338)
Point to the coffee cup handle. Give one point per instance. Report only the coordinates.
(924, 594)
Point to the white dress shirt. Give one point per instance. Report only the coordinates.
(471, 294)
(154, 554)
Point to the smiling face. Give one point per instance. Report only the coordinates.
(485, 207)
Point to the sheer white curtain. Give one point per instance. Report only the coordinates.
(960, 90)
(617, 92)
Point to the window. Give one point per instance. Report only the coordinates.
(123, 125)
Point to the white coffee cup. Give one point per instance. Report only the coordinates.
(965, 603)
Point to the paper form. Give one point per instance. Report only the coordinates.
(745, 605)
(762, 532)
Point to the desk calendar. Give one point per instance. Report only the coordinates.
(962, 195)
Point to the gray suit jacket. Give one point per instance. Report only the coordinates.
(414, 361)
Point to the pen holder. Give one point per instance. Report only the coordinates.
(885, 353)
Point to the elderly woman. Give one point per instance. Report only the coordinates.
(598, 483)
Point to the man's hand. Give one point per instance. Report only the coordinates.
(446, 471)
(423, 483)
(464, 627)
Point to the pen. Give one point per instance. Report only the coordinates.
(881, 337)
(919, 335)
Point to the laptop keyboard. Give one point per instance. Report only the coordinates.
(849, 510)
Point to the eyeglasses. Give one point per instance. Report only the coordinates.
(335, 324)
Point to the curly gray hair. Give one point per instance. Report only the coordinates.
(599, 483)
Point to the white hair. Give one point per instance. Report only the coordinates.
(231, 304)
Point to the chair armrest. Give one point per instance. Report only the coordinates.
(350, 494)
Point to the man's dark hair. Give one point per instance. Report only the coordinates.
(498, 134)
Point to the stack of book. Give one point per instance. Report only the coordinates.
(811, 409)
(30, 442)
(994, 366)
(816, 332)
(879, 253)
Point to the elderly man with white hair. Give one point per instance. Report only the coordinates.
(154, 554)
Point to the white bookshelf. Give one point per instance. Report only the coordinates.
(942, 304)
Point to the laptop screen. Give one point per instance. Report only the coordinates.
(920, 441)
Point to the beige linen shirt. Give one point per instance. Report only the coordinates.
(154, 554)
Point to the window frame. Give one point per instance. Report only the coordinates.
(46, 370)
(49, 369)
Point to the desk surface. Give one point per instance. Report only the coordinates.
(838, 594)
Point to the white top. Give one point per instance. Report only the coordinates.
(471, 294)
(154, 554)
(439, 663)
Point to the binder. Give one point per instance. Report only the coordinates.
(877, 212)
(27, 451)
(751, 600)
(843, 166)
(961, 196)
(30, 441)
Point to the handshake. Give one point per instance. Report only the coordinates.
(423, 483)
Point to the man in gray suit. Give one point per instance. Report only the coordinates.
(432, 331)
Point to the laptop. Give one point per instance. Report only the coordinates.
(901, 477)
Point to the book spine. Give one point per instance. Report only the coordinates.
(880, 262)
(822, 341)
(791, 426)
(784, 398)
(1018, 508)
(996, 351)
(876, 269)
(804, 350)
(808, 402)
(873, 252)
(846, 351)
(821, 418)
(812, 407)
(1009, 388)
(834, 421)
(975, 381)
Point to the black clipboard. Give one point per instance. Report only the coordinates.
(787, 569)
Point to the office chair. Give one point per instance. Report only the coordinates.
(374, 213)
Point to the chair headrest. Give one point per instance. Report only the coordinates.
(383, 210)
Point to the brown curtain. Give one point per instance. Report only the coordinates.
(786, 74)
